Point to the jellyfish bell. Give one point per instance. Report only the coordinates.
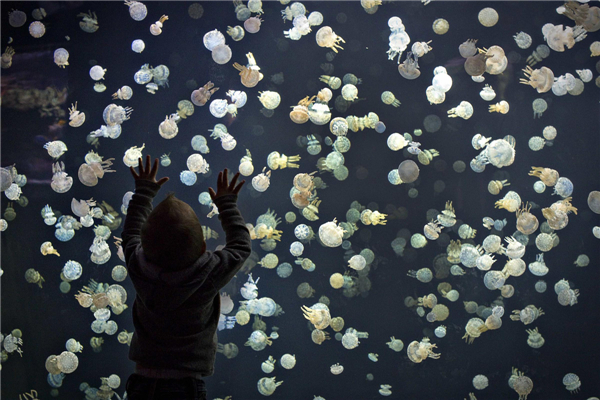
(408, 171)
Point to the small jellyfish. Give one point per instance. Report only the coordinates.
(17, 18)
(37, 29)
(389, 98)
(440, 26)
(523, 40)
(137, 10)
(221, 54)
(138, 45)
(89, 23)
(488, 17)
(97, 72)
(252, 24)
(539, 106)
(61, 57)
(326, 37)
(156, 28)
(262, 181)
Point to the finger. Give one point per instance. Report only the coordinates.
(140, 165)
(237, 189)
(154, 168)
(220, 180)
(233, 181)
(225, 177)
(147, 170)
(135, 175)
(162, 181)
(212, 193)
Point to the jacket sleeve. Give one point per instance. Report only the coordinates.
(139, 208)
(237, 247)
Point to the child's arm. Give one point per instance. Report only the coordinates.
(238, 246)
(140, 206)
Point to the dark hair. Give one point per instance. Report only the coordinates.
(172, 235)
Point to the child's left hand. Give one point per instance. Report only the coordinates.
(147, 173)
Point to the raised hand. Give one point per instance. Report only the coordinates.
(147, 173)
(224, 188)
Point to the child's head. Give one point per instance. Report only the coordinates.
(172, 235)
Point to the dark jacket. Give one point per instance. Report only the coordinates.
(176, 313)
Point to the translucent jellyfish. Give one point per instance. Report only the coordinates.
(124, 93)
(93, 169)
(252, 24)
(89, 23)
(266, 386)
(595, 49)
(221, 54)
(195, 10)
(389, 98)
(557, 38)
(37, 29)
(440, 26)
(523, 40)
(97, 72)
(138, 45)
(571, 382)
(435, 96)
(16, 18)
(547, 175)
(480, 382)
(143, 75)
(408, 171)
(137, 10)
(156, 28)
(475, 65)
(541, 51)
(336, 369)
(521, 384)
(563, 187)
(56, 148)
(262, 181)
(467, 48)
(250, 74)
(72, 270)
(132, 155)
(326, 37)
(270, 100)
(463, 110)
(349, 92)
(487, 93)
(419, 351)
(539, 106)
(61, 182)
(488, 17)
(496, 61)
(6, 60)
(331, 234)
(409, 69)
(61, 57)
(419, 49)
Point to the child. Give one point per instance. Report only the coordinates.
(177, 282)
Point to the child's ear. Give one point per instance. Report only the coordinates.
(204, 247)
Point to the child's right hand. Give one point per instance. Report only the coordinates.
(224, 188)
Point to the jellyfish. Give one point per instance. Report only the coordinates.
(252, 25)
(523, 40)
(137, 10)
(409, 69)
(61, 182)
(249, 74)
(326, 37)
(37, 29)
(138, 45)
(540, 79)
(97, 72)
(262, 181)
(468, 49)
(463, 110)
(221, 54)
(93, 169)
(541, 51)
(539, 106)
(89, 23)
(156, 28)
(17, 18)
(476, 65)
(488, 17)
(201, 95)
(593, 201)
(440, 26)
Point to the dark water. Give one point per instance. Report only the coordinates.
(48, 318)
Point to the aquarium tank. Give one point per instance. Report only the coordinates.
(422, 192)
